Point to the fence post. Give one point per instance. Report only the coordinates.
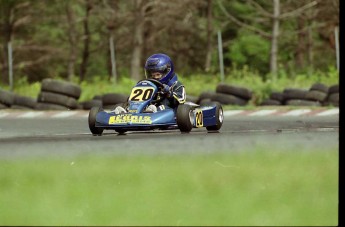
(10, 66)
(220, 54)
(113, 61)
(336, 36)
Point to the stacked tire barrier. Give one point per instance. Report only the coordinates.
(61, 95)
(6, 99)
(24, 102)
(227, 95)
(110, 100)
(317, 95)
(11, 100)
(95, 101)
(107, 101)
(58, 95)
(332, 96)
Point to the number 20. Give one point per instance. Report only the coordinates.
(141, 94)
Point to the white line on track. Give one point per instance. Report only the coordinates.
(262, 112)
(297, 112)
(232, 112)
(3, 114)
(31, 114)
(64, 114)
(328, 112)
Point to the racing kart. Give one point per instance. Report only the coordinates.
(184, 117)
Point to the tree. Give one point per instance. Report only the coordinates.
(276, 16)
(86, 40)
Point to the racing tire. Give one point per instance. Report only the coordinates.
(120, 131)
(220, 118)
(184, 118)
(92, 121)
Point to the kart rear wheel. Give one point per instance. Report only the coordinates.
(219, 118)
(120, 131)
(92, 121)
(185, 118)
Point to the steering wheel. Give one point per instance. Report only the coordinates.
(160, 86)
(156, 82)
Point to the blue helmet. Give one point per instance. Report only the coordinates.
(160, 63)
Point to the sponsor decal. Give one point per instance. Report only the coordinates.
(129, 118)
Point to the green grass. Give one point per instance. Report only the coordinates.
(256, 187)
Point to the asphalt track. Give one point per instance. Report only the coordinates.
(70, 137)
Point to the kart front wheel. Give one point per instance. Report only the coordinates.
(92, 121)
(219, 118)
(184, 118)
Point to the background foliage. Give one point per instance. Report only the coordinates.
(70, 39)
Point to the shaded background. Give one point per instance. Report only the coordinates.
(70, 39)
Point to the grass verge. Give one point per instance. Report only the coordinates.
(257, 187)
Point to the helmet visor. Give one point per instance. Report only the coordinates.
(157, 72)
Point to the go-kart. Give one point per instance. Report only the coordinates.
(184, 117)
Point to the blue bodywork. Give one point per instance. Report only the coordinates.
(136, 119)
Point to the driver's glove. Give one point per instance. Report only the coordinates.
(167, 90)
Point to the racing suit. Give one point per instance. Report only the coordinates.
(176, 96)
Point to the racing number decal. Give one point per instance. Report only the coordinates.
(141, 94)
(199, 119)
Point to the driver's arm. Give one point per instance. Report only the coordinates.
(179, 93)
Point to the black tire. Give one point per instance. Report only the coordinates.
(294, 93)
(300, 102)
(333, 89)
(87, 105)
(120, 131)
(19, 107)
(334, 99)
(206, 95)
(319, 87)
(6, 97)
(97, 97)
(113, 98)
(316, 95)
(220, 118)
(190, 98)
(59, 99)
(61, 87)
(3, 106)
(184, 118)
(278, 96)
(92, 121)
(24, 101)
(270, 102)
(241, 92)
(204, 101)
(229, 99)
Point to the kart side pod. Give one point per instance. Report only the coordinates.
(210, 116)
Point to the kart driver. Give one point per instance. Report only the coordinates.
(161, 68)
